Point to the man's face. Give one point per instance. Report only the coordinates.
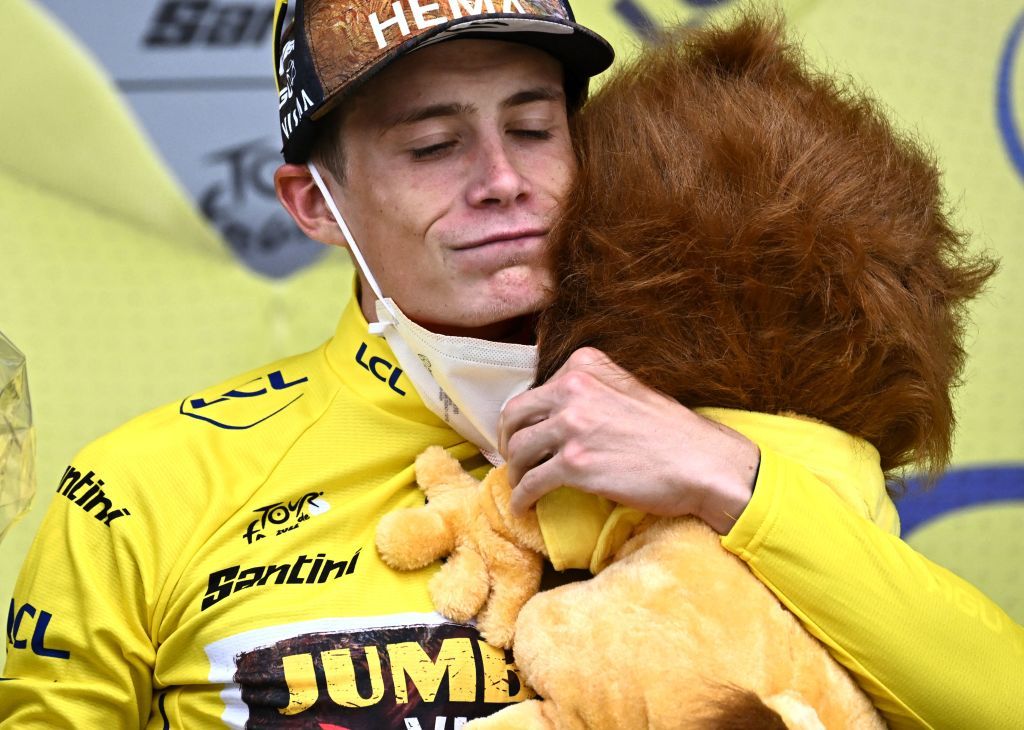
(457, 158)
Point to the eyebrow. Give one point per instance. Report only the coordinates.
(540, 93)
(527, 96)
(428, 112)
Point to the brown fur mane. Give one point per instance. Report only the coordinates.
(746, 233)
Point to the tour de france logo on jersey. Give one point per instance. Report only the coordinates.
(281, 517)
(1007, 104)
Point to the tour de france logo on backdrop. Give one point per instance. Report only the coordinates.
(212, 54)
(239, 200)
(1006, 104)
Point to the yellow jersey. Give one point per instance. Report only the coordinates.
(212, 563)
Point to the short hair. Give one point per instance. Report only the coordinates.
(328, 149)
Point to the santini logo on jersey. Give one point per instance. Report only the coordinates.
(304, 571)
(87, 492)
(427, 15)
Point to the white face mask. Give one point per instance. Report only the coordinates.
(463, 380)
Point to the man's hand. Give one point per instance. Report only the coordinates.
(595, 427)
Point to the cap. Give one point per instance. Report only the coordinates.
(334, 46)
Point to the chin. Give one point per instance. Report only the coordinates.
(519, 292)
(523, 306)
(488, 308)
(496, 319)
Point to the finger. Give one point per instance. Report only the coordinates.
(528, 447)
(526, 409)
(584, 369)
(538, 481)
(550, 399)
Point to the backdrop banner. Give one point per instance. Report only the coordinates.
(145, 256)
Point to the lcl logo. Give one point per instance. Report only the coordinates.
(38, 643)
(381, 369)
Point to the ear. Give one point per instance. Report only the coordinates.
(300, 196)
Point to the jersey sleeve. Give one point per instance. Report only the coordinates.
(79, 652)
(930, 649)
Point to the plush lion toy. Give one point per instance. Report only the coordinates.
(758, 242)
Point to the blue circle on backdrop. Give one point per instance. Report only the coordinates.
(1005, 114)
(958, 489)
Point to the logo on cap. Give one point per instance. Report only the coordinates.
(286, 72)
(428, 15)
(338, 45)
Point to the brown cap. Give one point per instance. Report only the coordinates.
(333, 46)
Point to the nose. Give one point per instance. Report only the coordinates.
(497, 180)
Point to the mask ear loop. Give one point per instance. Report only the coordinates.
(376, 328)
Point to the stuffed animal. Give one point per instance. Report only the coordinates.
(758, 242)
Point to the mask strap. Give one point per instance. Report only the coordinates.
(375, 328)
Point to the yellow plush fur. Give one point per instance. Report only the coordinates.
(676, 632)
(487, 555)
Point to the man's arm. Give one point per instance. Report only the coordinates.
(78, 646)
(928, 647)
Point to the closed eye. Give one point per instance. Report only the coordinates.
(431, 151)
(540, 134)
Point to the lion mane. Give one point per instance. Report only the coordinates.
(747, 233)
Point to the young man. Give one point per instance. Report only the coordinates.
(212, 561)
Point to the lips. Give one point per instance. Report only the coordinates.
(502, 237)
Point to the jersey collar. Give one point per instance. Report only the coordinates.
(366, 364)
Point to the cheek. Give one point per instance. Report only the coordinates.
(431, 213)
(423, 191)
(397, 218)
(407, 228)
(559, 173)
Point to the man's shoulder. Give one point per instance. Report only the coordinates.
(253, 417)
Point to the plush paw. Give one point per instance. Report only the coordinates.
(490, 572)
(459, 590)
(409, 539)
